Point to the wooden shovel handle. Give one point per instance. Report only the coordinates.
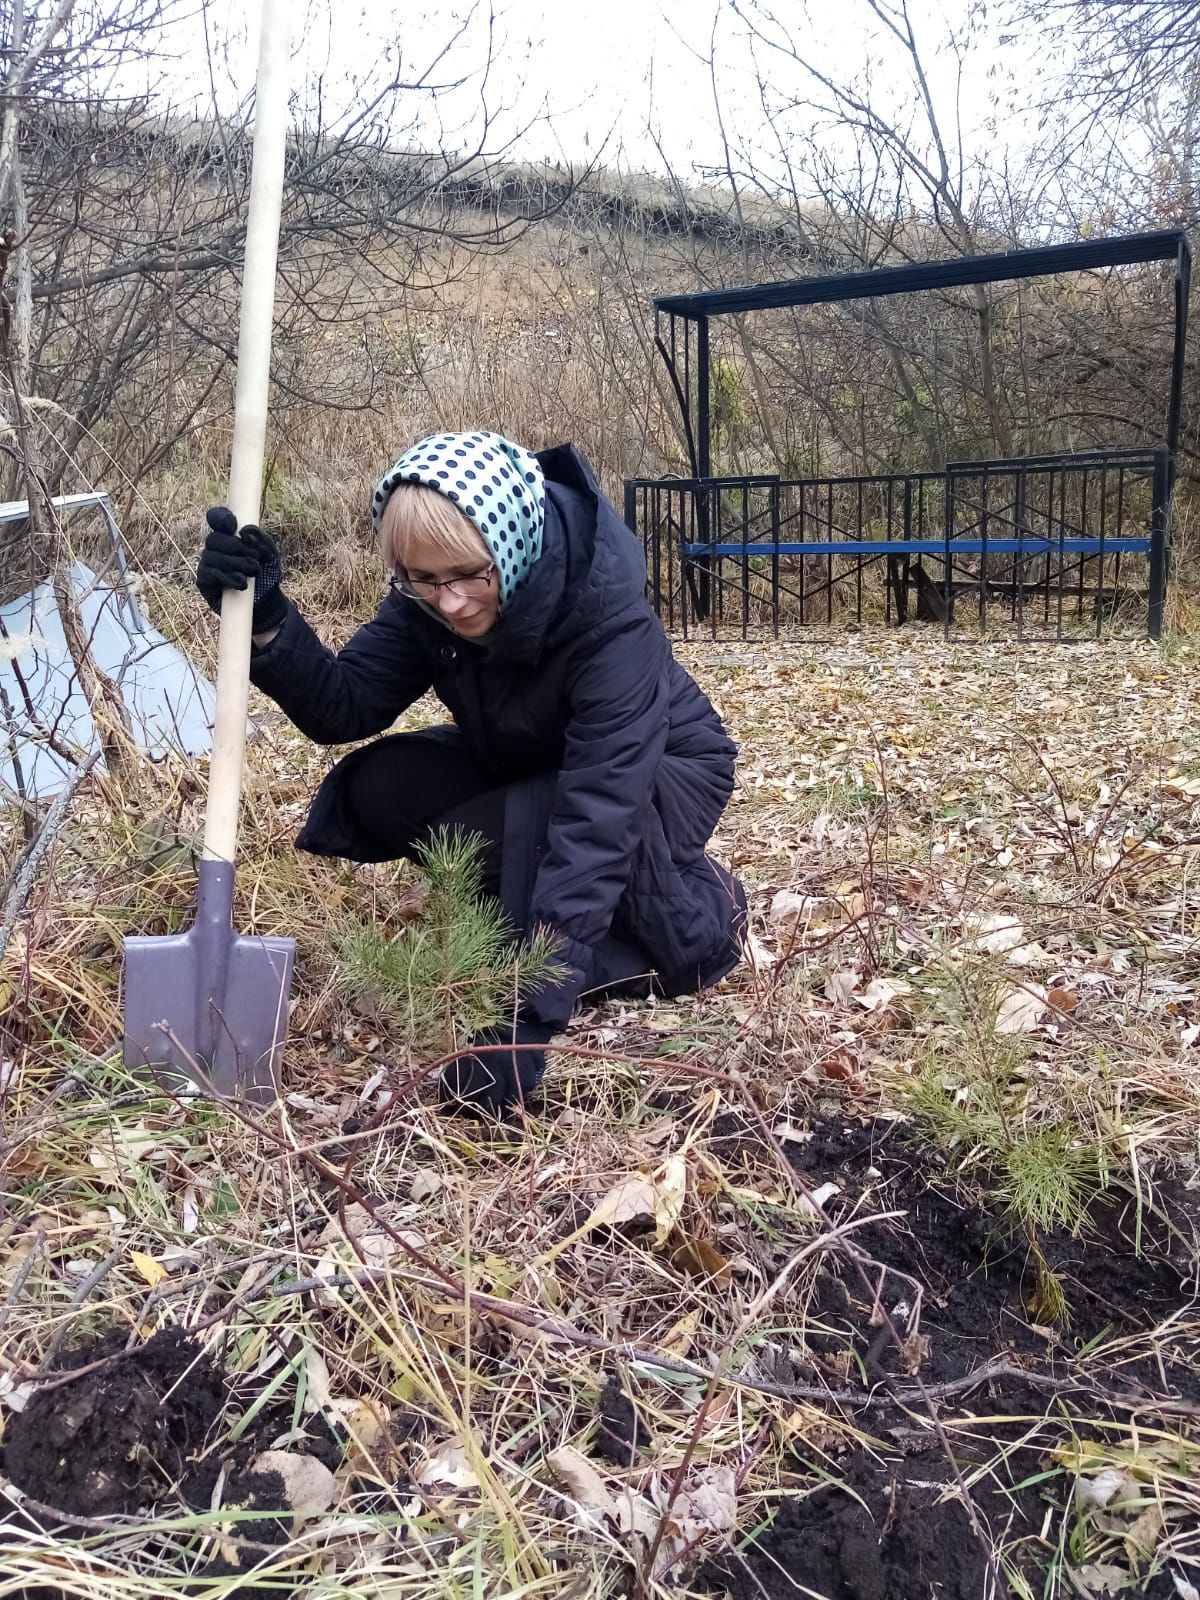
(249, 423)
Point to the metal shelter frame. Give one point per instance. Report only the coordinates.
(682, 338)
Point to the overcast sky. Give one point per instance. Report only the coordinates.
(629, 78)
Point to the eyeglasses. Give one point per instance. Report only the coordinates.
(471, 583)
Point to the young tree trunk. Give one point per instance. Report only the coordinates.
(15, 184)
(105, 705)
(107, 709)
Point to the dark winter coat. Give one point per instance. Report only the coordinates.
(626, 766)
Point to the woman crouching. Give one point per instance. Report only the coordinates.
(580, 751)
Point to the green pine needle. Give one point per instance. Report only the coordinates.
(456, 969)
(970, 1093)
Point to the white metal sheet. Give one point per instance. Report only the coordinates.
(170, 704)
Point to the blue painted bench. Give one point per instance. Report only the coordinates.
(928, 547)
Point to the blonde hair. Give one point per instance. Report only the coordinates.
(416, 514)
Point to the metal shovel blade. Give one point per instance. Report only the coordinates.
(209, 1007)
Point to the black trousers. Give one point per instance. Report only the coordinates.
(402, 790)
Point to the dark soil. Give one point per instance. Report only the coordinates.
(121, 1439)
(141, 1431)
(137, 1434)
(978, 1276)
(885, 1532)
(619, 1428)
(895, 1541)
(889, 1531)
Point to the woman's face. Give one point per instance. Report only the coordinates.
(471, 604)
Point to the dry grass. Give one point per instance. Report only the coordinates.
(926, 800)
(534, 343)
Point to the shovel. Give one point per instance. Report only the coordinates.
(209, 1006)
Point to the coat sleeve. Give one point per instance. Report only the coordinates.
(619, 714)
(357, 692)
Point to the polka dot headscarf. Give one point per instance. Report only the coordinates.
(492, 481)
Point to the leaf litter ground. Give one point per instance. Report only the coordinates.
(741, 1306)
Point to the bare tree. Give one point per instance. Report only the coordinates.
(1120, 53)
(899, 157)
(133, 221)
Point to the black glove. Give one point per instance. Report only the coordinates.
(492, 1082)
(231, 557)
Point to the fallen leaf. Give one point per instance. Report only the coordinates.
(593, 1501)
(913, 1352)
(854, 906)
(670, 1191)
(789, 1133)
(367, 1422)
(1143, 1535)
(758, 957)
(637, 1517)
(122, 1149)
(1021, 1010)
(174, 1256)
(148, 1268)
(1101, 1578)
(319, 1385)
(810, 1204)
(840, 1363)
(677, 1340)
(304, 1102)
(1064, 1000)
(1030, 955)
(880, 992)
(448, 1468)
(840, 986)
(707, 1504)
(629, 1201)
(998, 933)
(699, 1258)
(1109, 1484)
(1118, 961)
(360, 1236)
(841, 1065)
(792, 913)
(787, 909)
(371, 1234)
(656, 1200)
(426, 1182)
(308, 1484)
(16, 1396)
(361, 1042)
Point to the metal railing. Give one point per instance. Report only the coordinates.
(1063, 545)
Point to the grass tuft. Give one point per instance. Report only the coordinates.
(973, 1091)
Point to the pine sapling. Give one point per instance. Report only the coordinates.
(453, 971)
